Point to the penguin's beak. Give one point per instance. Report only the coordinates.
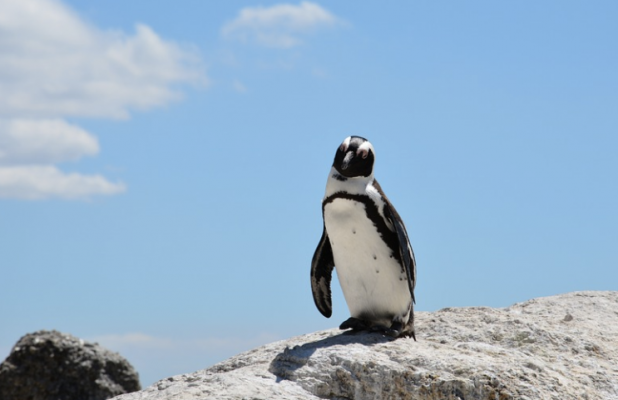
(346, 160)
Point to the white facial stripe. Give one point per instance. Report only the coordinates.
(366, 146)
(346, 143)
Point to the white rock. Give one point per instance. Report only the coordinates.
(561, 347)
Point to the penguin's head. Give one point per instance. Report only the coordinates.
(354, 157)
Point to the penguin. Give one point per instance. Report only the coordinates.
(366, 241)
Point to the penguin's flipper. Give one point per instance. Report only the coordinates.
(405, 249)
(322, 266)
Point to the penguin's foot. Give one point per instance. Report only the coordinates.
(396, 330)
(355, 324)
(393, 331)
(408, 334)
(408, 331)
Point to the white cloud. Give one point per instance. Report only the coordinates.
(53, 65)
(279, 26)
(33, 182)
(44, 141)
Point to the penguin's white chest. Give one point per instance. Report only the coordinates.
(373, 282)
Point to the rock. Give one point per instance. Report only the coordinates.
(49, 365)
(561, 347)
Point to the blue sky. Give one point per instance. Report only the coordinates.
(162, 166)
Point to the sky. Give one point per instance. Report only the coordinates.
(162, 166)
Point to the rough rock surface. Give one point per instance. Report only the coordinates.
(49, 365)
(561, 347)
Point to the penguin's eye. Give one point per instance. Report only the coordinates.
(363, 153)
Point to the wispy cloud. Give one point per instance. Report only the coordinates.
(280, 26)
(239, 86)
(34, 182)
(47, 141)
(53, 65)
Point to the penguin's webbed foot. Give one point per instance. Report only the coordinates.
(408, 330)
(355, 324)
(395, 330)
(408, 334)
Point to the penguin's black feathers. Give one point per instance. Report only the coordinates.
(405, 250)
(321, 274)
